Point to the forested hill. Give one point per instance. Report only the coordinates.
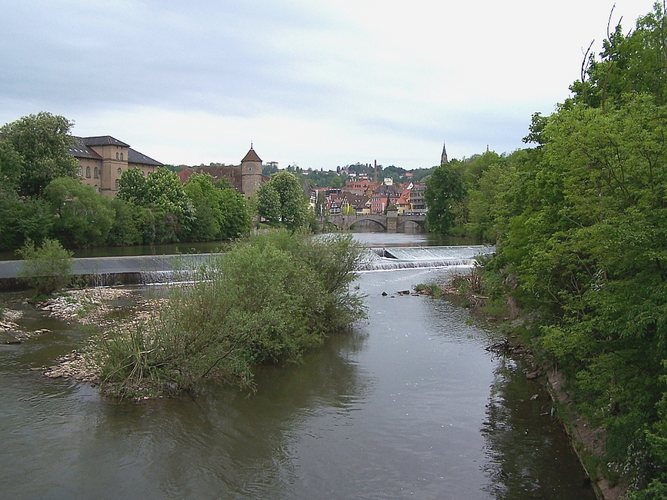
(580, 220)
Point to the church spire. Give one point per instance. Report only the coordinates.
(443, 156)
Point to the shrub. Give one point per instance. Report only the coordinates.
(47, 268)
(267, 300)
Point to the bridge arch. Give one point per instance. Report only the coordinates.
(368, 219)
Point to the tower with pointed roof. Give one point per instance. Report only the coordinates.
(443, 156)
(251, 173)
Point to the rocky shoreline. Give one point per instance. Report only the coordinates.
(88, 306)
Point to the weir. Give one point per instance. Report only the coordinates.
(163, 269)
(107, 271)
(379, 259)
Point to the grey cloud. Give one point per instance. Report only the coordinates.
(211, 56)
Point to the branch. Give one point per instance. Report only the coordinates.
(584, 63)
(611, 13)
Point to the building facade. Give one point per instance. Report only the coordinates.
(246, 178)
(103, 159)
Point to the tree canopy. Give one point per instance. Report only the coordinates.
(580, 224)
(34, 151)
(282, 201)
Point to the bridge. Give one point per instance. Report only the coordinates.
(391, 223)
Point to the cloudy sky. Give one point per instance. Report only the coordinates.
(318, 83)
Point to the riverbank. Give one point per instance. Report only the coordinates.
(505, 317)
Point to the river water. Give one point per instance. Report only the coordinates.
(408, 405)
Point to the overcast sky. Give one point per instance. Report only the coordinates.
(313, 83)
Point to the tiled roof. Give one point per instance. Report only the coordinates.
(79, 149)
(251, 156)
(134, 156)
(104, 140)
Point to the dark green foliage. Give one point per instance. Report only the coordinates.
(47, 268)
(83, 217)
(581, 229)
(206, 201)
(42, 141)
(23, 219)
(266, 301)
(282, 201)
(126, 227)
(132, 187)
(235, 214)
(444, 193)
(11, 167)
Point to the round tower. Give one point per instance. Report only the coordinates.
(251, 173)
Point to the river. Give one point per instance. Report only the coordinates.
(408, 405)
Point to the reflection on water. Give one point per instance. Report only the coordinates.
(392, 410)
(518, 428)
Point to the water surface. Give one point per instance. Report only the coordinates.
(408, 405)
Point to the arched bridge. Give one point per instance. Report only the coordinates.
(389, 223)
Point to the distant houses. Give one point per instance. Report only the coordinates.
(103, 159)
(362, 196)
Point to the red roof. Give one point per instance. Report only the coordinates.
(251, 156)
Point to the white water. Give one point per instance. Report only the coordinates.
(384, 259)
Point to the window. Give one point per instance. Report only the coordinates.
(121, 156)
(116, 155)
(119, 172)
(88, 172)
(96, 173)
(80, 172)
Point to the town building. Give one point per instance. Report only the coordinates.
(417, 199)
(246, 178)
(383, 197)
(103, 159)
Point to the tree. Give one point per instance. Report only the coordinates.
(235, 220)
(126, 227)
(444, 191)
(42, 141)
(293, 206)
(47, 268)
(164, 190)
(268, 204)
(206, 200)
(132, 187)
(83, 217)
(23, 219)
(11, 167)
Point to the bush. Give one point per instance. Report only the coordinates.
(266, 301)
(47, 268)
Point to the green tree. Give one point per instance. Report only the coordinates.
(292, 207)
(11, 167)
(126, 227)
(23, 219)
(165, 192)
(268, 204)
(83, 217)
(42, 141)
(235, 220)
(444, 192)
(48, 268)
(206, 203)
(132, 187)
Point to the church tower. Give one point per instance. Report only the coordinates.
(443, 156)
(251, 173)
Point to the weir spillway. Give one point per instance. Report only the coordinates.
(159, 269)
